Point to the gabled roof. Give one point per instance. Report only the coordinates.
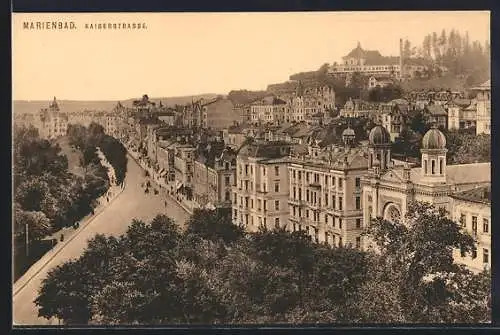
(359, 52)
(436, 110)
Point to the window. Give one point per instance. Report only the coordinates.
(276, 170)
(340, 203)
(326, 199)
(358, 223)
(277, 205)
(300, 175)
(293, 173)
(307, 195)
(333, 181)
(276, 187)
(265, 205)
(486, 226)
(263, 171)
(340, 241)
(340, 223)
(486, 254)
(277, 223)
(433, 167)
(294, 193)
(307, 213)
(474, 225)
(425, 166)
(300, 193)
(333, 202)
(474, 254)
(246, 169)
(358, 182)
(441, 163)
(326, 218)
(227, 196)
(358, 242)
(358, 202)
(340, 183)
(463, 220)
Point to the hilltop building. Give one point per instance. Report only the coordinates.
(372, 63)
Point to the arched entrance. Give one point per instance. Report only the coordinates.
(392, 212)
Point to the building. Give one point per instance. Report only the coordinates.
(389, 188)
(268, 110)
(218, 113)
(52, 122)
(472, 209)
(483, 97)
(462, 114)
(372, 63)
(184, 169)
(214, 178)
(234, 136)
(143, 107)
(260, 193)
(325, 193)
(374, 82)
(436, 115)
(309, 102)
(355, 108)
(391, 117)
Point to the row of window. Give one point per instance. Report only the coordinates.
(317, 178)
(486, 223)
(486, 255)
(313, 199)
(249, 186)
(248, 170)
(249, 203)
(329, 237)
(260, 221)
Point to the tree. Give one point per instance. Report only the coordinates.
(64, 294)
(357, 81)
(407, 49)
(419, 249)
(210, 225)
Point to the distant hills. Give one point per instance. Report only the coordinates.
(29, 106)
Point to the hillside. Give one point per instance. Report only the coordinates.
(30, 106)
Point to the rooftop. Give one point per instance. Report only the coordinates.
(459, 174)
(478, 195)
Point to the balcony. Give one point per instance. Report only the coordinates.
(315, 185)
(296, 202)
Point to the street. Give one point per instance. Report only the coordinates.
(114, 220)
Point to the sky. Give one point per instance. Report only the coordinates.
(182, 54)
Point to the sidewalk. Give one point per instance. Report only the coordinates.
(69, 234)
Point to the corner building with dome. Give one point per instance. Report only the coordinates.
(464, 190)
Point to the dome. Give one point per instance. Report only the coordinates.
(348, 132)
(379, 136)
(434, 139)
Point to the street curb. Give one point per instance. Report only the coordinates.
(16, 291)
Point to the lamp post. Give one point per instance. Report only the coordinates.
(27, 239)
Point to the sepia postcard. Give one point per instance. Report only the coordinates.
(294, 168)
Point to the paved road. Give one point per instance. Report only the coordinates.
(131, 203)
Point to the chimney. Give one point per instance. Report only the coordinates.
(401, 59)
